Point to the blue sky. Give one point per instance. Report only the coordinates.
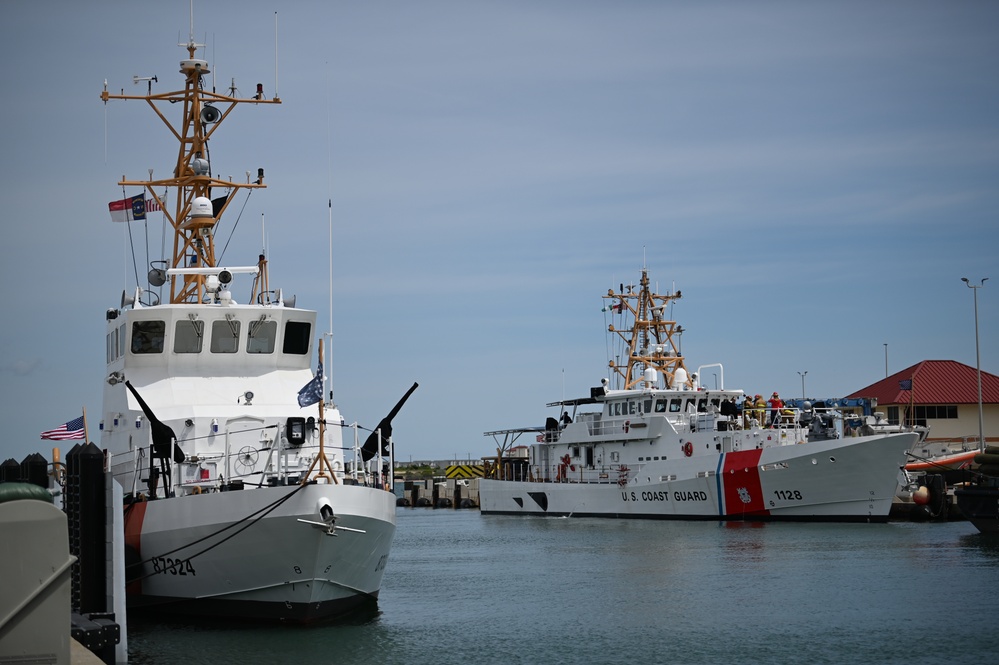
(816, 178)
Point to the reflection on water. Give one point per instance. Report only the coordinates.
(503, 589)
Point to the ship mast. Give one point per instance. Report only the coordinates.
(650, 339)
(194, 225)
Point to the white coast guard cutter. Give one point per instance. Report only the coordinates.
(240, 500)
(664, 447)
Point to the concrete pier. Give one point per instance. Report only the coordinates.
(439, 493)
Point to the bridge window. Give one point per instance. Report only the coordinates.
(674, 405)
(261, 337)
(187, 336)
(225, 336)
(147, 336)
(296, 337)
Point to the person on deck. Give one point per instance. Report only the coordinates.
(774, 404)
(747, 411)
(759, 408)
(728, 408)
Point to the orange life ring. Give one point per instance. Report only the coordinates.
(688, 449)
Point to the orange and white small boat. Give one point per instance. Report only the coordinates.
(955, 461)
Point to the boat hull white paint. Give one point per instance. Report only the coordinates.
(851, 479)
(277, 567)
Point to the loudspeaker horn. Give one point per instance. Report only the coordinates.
(210, 115)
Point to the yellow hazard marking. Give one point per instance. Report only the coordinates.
(465, 471)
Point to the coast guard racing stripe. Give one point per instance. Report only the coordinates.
(135, 514)
(742, 493)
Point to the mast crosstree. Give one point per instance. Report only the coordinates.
(649, 340)
(195, 213)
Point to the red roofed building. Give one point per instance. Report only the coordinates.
(942, 394)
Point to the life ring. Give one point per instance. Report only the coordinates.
(688, 449)
(627, 425)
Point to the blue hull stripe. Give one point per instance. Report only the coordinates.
(718, 477)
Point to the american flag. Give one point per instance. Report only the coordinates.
(312, 391)
(152, 206)
(71, 430)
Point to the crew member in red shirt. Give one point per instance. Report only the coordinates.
(774, 405)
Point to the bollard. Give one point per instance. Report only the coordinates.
(86, 513)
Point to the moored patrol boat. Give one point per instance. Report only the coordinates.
(659, 445)
(243, 500)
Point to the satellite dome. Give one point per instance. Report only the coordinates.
(201, 207)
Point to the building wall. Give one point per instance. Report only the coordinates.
(966, 423)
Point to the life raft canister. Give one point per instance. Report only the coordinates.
(688, 449)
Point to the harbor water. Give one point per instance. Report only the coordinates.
(462, 587)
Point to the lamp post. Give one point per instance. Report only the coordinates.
(802, 375)
(978, 363)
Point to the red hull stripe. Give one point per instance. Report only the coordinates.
(740, 484)
(135, 513)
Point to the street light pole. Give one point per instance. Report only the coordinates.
(978, 363)
(802, 375)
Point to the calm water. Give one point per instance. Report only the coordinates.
(465, 588)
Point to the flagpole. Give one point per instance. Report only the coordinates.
(321, 457)
(912, 402)
(86, 437)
